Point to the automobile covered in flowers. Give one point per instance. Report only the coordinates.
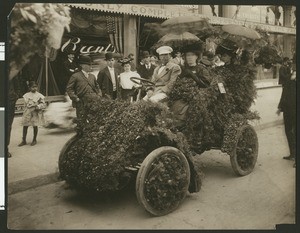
(118, 142)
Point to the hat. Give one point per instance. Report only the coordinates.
(196, 48)
(97, 56)
(109, 56)
(32, 84)
(145, 54)
(164, 50)
(125, 60)
(85, 59)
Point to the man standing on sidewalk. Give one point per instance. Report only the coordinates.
(82, 86)
(287, 105)
(284, 71)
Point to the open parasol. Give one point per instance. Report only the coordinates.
(240, 30)
(180, 24)
(176, 40)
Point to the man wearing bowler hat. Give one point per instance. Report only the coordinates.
(108, 78)
(146, 69)
(164, 76)
(82, 86)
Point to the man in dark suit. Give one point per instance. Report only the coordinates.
(284, 71)
(146, 69)
(108, 78)
(164, 76)
(288, 106)
(82, 86)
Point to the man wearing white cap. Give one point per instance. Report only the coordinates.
(164, 76)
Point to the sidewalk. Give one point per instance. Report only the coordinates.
(33, 166)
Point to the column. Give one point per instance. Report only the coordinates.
(287, 39)
(227, 11)
(200, 9)
(130, 36)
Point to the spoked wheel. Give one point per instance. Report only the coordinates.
(245, 152)
(66, 148)
(163, 180)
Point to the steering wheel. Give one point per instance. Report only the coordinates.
(144, 82)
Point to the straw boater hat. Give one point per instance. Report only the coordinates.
(164, 50)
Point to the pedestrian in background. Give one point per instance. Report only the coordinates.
(128, 89)
(178, 58)
(108, 78)
(284, 71)
(287, 105)
(132, 63)
(146, 69)
(33, 112)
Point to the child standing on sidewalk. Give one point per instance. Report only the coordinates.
(33, 112)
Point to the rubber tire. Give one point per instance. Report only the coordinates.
(142, 175)
(66, 148)
(233, 157)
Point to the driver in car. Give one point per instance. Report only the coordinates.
(164, 76)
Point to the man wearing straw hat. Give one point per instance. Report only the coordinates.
(164, 76)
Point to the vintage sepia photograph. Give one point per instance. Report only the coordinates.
(151, 116)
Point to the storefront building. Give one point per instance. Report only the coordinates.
(100, 28)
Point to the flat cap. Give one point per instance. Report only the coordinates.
(164, 50)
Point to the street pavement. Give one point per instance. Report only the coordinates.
(260, 200)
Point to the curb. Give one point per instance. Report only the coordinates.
(267, 87)
(268, 124)
(34, 182)
(31, 183)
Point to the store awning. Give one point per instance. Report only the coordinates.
(156, 12)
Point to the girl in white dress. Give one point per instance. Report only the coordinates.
(33, 112)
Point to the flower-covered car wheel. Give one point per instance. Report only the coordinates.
(65, 149)
(163, 180)
(244, 155)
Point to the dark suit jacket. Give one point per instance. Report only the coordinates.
(199, 73)
(105, 83)
(165, 80)
(144, 72)
(287, 102)
(79, 86)
(284, 74)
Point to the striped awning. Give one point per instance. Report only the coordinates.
(156, 12)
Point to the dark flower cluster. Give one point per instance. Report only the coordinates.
(268, 56)
(115, 135)
(210, 112)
